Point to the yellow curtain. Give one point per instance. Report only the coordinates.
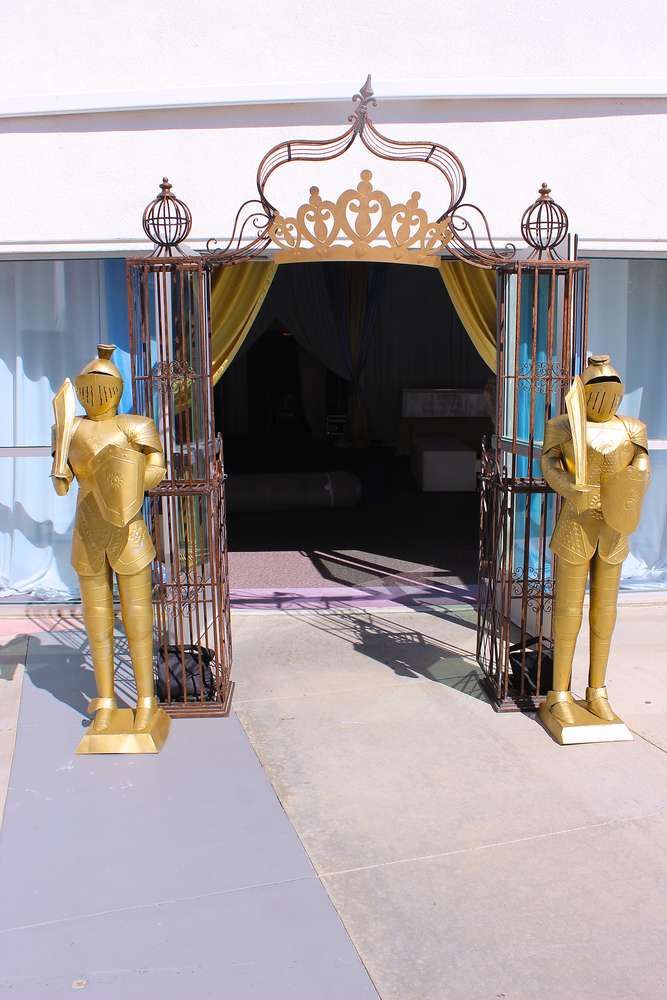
(473, 294)
(236, 297)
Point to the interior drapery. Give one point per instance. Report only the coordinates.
(352, 297)
(473, 294)
(419, 342)
(52, 314)
(381, 327)
(236, 297)
(311, 302)
(628, 321)
(331, 311)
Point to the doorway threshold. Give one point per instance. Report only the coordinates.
(404, 598)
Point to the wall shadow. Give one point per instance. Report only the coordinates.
(333, 113)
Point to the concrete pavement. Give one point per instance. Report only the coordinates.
(469, 856)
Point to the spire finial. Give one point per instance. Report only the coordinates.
(544, 225)
(364, 99)
(167, 221)
(366, 91)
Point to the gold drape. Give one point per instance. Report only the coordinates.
(473, 294)
(238, 293)
(236, 297)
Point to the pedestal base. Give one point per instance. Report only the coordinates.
(587, 728)
(121, 738)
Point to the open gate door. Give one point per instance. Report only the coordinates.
(541, 346)
(169, 313)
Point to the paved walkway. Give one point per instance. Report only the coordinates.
(169, 876)
(469, 857)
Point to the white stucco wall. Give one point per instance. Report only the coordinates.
(98, 102)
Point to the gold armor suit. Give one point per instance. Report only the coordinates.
(591, 535)
(115, 458)
(126, 548)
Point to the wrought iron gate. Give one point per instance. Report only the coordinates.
(169, 309)
(541, 345)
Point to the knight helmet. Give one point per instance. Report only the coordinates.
(99, 385)
(603, 388)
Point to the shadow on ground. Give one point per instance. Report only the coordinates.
(408, 652)
(60, 665)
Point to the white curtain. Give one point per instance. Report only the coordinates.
(52, 314)
(628, 320)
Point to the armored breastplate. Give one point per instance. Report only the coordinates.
(90, 438)
(609, 449)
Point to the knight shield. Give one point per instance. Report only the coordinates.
(621, 499)
(117, 479)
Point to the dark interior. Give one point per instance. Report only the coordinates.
(320, 439)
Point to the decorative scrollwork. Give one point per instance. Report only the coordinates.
(542, 376)
(361, 224)
(169, 370)
(466, 243)
(177, 374)
(241, 246)
(461, 226)
(537, 590)
(432, 153)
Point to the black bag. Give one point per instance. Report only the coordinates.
(195, 679)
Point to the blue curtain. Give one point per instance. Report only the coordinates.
(115, 322)
(52, 315)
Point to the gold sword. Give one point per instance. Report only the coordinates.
(575, 404)
(64, 405)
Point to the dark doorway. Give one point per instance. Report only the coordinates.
(276, 414)
(322, 426)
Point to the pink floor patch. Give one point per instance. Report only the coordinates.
(323, 598)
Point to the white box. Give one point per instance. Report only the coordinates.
(443, 465)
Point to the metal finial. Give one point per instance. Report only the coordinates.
(366, 92)
(364, 99)
(167, 221)
(544, 225)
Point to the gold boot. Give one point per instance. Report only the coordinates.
(104, 709)
(146, 711)
(598, 704)
(560, 704)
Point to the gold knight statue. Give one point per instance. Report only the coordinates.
(598, 462)
(115, 458)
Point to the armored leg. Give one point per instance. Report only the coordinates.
(568, 603)
(137, 608)
(605, 579)
(97, 604)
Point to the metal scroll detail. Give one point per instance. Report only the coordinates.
(362, 224)
(462, 228)
(254, 218)
(472, 241)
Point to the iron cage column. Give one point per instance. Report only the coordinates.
(541, 346)
(169, 311)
